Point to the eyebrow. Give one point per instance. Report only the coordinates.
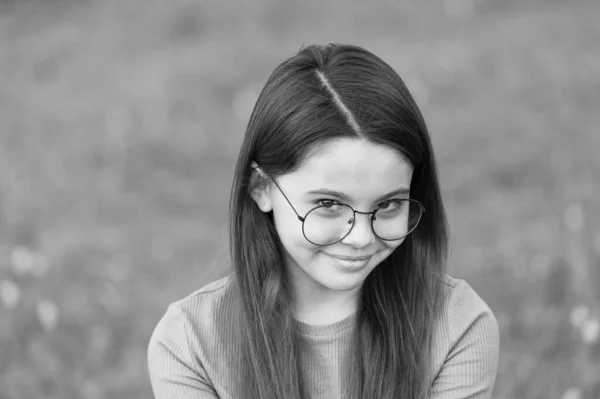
(344, 197)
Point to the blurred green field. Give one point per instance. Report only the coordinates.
(120, 121)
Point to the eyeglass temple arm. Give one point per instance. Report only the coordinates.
(263, 174)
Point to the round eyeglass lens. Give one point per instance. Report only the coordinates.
(326, 225)
(397, 219)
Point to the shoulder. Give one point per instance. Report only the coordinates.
(212, 295)
(197, 334)
(198, 308)
(466, 338)
(203, 311)
(462, 309)
(461, 304)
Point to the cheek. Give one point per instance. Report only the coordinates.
(289, 229)
(392, 245)
(389, 247)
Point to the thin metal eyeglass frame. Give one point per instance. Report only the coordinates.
(372, 218)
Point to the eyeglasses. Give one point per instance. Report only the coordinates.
(333, 221)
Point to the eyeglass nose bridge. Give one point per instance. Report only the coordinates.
(352, 220)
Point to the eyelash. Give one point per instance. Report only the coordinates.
(320, 201)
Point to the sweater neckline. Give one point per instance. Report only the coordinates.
(326, 329)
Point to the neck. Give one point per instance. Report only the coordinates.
(320, 306)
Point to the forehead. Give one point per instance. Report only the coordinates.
(357, 167)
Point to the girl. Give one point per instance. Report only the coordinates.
(338, 243)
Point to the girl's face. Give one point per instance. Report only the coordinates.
(355, 172)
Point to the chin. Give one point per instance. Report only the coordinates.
(337, 281)
(343, 285)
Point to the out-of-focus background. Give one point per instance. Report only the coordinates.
(120, 122)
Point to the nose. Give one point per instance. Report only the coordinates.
(362, 233)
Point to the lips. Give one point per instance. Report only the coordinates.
(351, 262)
(351, 258)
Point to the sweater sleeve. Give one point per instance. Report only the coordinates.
(469, 369)
(174, 372)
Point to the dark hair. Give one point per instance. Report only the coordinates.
(322, 93)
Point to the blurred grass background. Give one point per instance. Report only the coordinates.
(120, 121)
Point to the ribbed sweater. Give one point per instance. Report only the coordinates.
(193, 352)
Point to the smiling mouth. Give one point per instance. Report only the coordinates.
(352, 258)
(350, 263)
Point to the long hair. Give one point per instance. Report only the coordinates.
(321, 93)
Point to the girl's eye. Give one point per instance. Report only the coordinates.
(327, 203)
(389, 204)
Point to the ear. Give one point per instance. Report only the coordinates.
(261, 189)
